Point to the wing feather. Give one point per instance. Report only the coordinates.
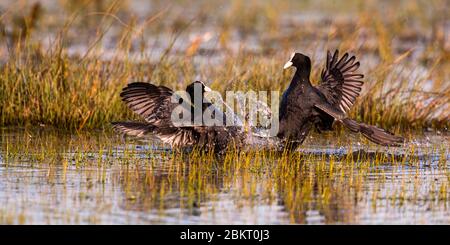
(341, 85)
(151, 102)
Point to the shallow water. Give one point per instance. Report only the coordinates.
(49, 177)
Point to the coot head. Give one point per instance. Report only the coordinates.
(299, 61)
(199, 86)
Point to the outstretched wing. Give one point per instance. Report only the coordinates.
(178, 136)
(151, 102)
(174, 136)
(341, 84)
(137, 129)
(189, 136)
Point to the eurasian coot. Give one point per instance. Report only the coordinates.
(155, 104)
(304, 106)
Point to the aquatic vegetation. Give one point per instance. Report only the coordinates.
(99, 178)
(66, 69)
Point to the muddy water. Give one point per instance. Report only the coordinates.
(49, 177)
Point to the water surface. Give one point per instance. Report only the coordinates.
(49, 177)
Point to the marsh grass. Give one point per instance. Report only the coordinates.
(47, 85)
(152, 179)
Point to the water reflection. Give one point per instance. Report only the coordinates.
(56, 178)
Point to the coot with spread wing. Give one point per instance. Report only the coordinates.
(304, 106)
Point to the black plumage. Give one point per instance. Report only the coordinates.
(154, 104)
(304, 106)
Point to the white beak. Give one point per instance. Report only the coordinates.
(287, 65)
(207, 89)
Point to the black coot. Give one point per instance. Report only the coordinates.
(154, 104)
(304, 106)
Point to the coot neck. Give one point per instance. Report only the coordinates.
(301, 77)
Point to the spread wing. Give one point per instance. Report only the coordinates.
(341, 83)
(178, 136)
(209, 136)
(151, 102)
(137, 129)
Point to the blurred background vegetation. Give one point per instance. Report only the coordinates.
(63, 63)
